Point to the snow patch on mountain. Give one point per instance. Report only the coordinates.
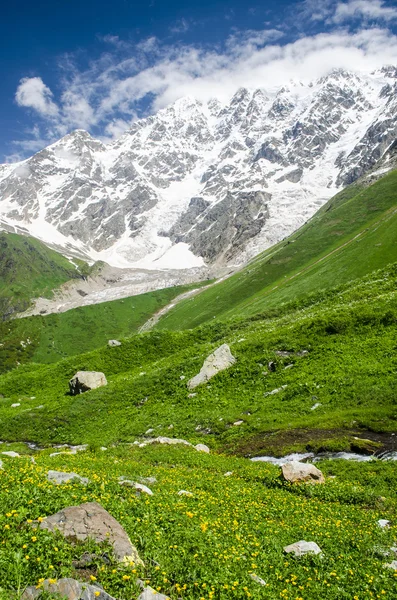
(205, 183)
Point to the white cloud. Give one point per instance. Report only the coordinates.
(33, 93)
(369, 9)
(117, 127)
(107, 96)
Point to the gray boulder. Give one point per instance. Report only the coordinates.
(296, 472)
(59, 477)
(91, 520)
(301, 548)
(114, 343)
(85, 381)
(67, 588)
(218, 361)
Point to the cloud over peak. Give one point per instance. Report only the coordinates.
(132, 80)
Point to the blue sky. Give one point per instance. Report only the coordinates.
(99, 66)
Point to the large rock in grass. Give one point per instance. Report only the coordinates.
(92, 521)
(218, 361)
(296, 472)
(67, 588)
(84, 381)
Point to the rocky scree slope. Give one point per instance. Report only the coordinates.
(205, 182)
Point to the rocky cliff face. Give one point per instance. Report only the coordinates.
(205, 183)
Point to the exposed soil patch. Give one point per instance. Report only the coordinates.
(282, 442)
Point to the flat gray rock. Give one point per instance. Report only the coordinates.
(184, 493)
(383, 523)
(67, 588)
(84, 381)
(218, 361)
(11, 454)
(139, 487)
(91, 520)
(114, 343)
(301, 548)
(59, 477)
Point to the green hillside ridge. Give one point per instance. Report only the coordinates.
(49, 338)
(29, 269)
(349, 369)
(352, 235)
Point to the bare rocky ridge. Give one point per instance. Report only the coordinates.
(205, 183)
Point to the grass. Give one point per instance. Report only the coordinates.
(29, 269)
(352, 235)
(349, 368)
(208, 545)
(315, 308)
(49, 338)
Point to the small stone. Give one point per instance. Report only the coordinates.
(272, 366)
(59, 477)
(149, 480)
(237, 423)
(276, 391)
(15, 405)
(228, 474)
(392, 565)
(11, 454)
(202, 448)
(184, 493)
(182, 377)
(140, 487)
(301, 548)
(317, 405)
(382, 522)
(114, 343)
(257, 579)
(192, 395)
(151, 594)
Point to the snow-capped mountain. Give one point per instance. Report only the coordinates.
(205, 183)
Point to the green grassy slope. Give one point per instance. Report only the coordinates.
(49, 338)
(349, 369)
(353, 234)
(29, 269)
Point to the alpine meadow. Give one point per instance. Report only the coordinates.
(198, 301)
